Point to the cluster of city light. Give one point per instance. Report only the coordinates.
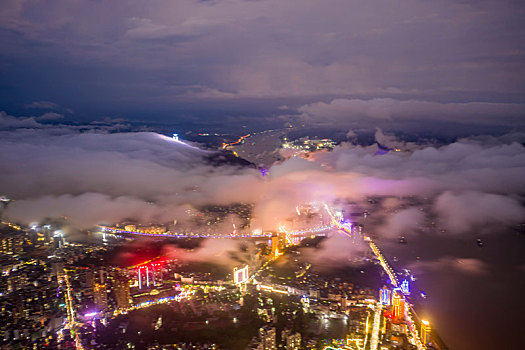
(186, 235)
(391, 274)
(342, 344)
(291, 237)
(186, 292)
(272, 289)
(179, 297)
(10, 224)
(255, 233)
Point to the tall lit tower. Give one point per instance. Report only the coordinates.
(268, 341)
(240, 277)
(398, 305)
(292, 340)
(405, 288)
(425, 331)
(384, 295)
(121, 290)
(100, 296)
(275, 246)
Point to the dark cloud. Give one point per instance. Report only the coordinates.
(10, 122)
(272, 53)
(87, 209)
(403, 223)
(465, 211)
(469, 266)
(42, 105)
(50, 116)
(231, 253)
(346, 110)
(336, 250)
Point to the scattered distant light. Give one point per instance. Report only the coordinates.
(425, 322)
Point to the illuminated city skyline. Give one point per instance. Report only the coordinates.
(267, 174)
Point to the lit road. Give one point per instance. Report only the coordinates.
(241, 139)
(71, 312)
(383, 262)
(374, 339)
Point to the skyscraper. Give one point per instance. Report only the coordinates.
(398, 305)
(12, 244)
(425, 331)
(121, 290)
(268, 341)
(275, 245)
(384, 295)
(292, 340)
(100, 296)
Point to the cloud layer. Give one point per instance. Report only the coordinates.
(94, 177)
(346, 110)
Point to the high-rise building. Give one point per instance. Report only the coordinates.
(149, 276)
(57, 268)
(278, 243)
(405, 287)
(275, 245)
(292, 340)
(398, 305)
(89, 279)
(12, 244)
(18, 310)
(121, 290)
(268, 341)
(425, 331)
(100, 296)
(240, 275)
(384, 295)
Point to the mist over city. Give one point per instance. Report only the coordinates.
(262, 175)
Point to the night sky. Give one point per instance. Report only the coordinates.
(88, 87)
